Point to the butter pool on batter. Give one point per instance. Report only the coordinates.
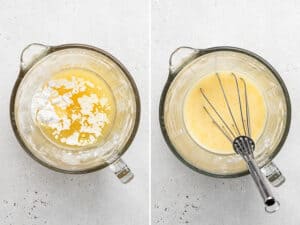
(75, 108)
(200, 125)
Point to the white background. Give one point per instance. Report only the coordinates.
(272, 30)
(33, 195)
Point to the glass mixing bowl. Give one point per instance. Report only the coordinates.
(38, 64)
(187, 66)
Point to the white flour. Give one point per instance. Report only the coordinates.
(49, 110)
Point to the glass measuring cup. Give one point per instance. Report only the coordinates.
(187, 66)
(38, 63)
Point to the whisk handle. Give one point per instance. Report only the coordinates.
(271, 204)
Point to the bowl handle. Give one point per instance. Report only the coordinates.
(273, 174)
(180, 56)
(121, 170)
(31, 54)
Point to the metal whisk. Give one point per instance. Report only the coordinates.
(241, 139)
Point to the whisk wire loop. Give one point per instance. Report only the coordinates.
(219, 116)
(247, 108)
(227, 104)
(240, 102)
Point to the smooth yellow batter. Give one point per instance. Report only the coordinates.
(75, 108)
(200, 125)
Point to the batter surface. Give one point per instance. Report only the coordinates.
(75, 108)
(200, 125)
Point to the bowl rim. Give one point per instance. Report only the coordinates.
(23, 73)
(200, 53)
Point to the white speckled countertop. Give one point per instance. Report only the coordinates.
(33, 195)
(269, 28)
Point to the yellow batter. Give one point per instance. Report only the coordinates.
(75, 108)
(200, 125)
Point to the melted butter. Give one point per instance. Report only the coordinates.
(75, 108)
(200, 125)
